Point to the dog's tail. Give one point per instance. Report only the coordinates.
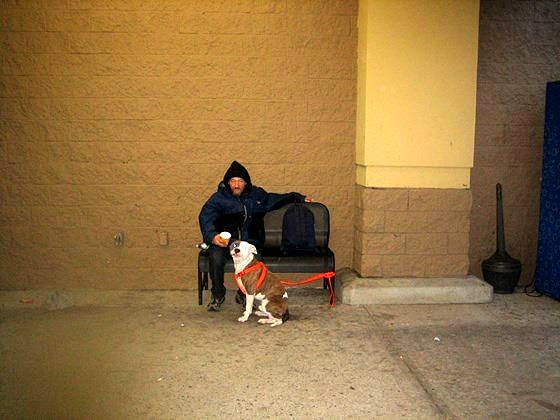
(286, 316)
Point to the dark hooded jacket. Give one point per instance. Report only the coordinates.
(242, 216)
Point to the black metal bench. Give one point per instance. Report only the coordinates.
(275, 260)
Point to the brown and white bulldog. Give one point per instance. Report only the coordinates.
(254, 279)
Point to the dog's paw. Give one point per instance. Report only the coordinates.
(243, 318)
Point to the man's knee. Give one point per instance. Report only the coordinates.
(218, 254)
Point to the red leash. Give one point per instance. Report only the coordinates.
(328, 275)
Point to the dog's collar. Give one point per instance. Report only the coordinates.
(249, 269)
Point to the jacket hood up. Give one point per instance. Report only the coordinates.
(237, 170)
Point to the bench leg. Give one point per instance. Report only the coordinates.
(331, 291)
(200, 286)
(326, 282)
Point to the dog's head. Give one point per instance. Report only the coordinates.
(241, 250)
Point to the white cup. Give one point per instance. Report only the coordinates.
(225, 236)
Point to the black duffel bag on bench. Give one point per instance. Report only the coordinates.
(280, 258)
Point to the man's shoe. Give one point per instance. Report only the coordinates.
(240, 297)
(215, 303)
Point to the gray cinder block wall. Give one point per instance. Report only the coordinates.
(519, 51)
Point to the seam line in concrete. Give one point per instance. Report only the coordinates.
(394, 350)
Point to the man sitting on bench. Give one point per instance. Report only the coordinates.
(237, 207)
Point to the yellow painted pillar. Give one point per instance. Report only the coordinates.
(417, 62)
(416, 104)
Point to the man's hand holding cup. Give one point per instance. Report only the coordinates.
(222, 239)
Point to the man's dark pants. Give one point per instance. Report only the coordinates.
(218, 257)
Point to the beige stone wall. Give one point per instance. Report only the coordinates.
(412, 232)
(123, 116)
(519, 52)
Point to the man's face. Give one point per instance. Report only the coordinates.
(237, 185)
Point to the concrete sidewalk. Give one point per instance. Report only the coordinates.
(157, 354)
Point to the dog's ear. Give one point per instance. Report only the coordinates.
(252, 249)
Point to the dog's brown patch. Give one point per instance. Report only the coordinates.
(271, 288)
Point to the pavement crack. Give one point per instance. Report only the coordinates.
(547, 405)
(399, 355)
